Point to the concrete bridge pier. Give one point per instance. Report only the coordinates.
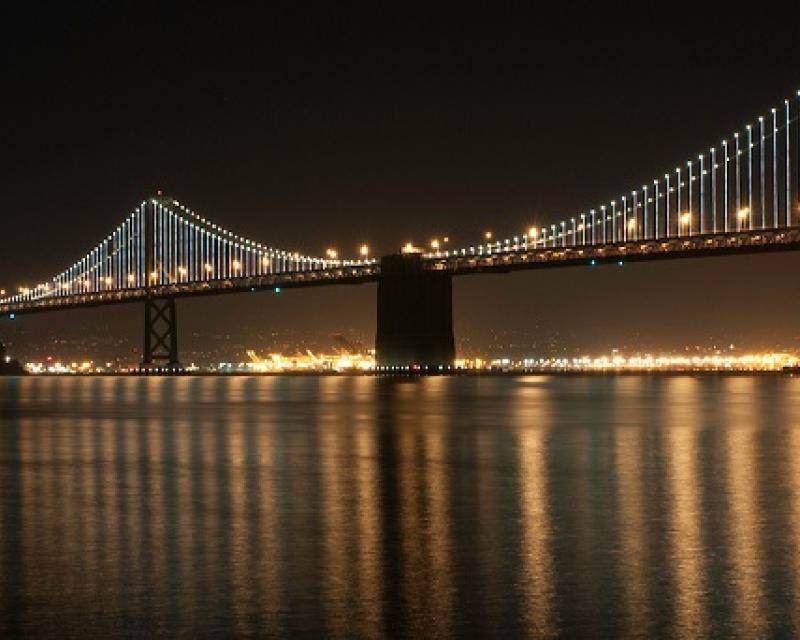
(415, 315)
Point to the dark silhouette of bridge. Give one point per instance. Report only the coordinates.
(742, 197)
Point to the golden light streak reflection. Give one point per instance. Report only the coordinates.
(236, 498)
(335, 473)
(631, 421)
(132, 498)
(31, 496)
(686, 542)
(369, 536)
(113, 507)
(792, 420)
(414, 563)
(211, 522)
(186, 538)
(153, 504)
(579, 451)
(532, 419)
(423, 515)
(741, 429)
(437, 500)
(267, 536)
(488, 510)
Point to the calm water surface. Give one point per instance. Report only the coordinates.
(361, 507)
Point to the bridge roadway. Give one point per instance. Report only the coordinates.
(514, 259)
(341, 275)
(695, 246)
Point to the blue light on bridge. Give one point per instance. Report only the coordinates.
(593, 262)
(12, 316)
(277, 290)
(620, 262)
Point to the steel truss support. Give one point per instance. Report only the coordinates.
(160, 334)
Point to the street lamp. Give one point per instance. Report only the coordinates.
(741, 216)
(686, 221)
(632, 228)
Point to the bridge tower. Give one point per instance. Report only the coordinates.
(415, 314)
(160, 315)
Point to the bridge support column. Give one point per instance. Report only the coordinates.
(160, 334)
(415, 315)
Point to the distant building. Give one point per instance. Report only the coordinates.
(9, 367)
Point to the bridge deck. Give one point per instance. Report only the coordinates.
(697, 246)
(708, 245)
(344, 275)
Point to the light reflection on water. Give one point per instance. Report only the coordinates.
(341, 507)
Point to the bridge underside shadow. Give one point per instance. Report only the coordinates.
(415, 315)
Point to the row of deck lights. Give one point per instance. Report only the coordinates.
(86, 285)
(538, 238)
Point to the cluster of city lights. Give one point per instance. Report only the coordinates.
(64, 368)
(638, 363)
(345, 362)
(340, 362)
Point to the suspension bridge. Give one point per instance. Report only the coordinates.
(741, 196)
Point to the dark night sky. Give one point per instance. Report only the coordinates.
(307, 128)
